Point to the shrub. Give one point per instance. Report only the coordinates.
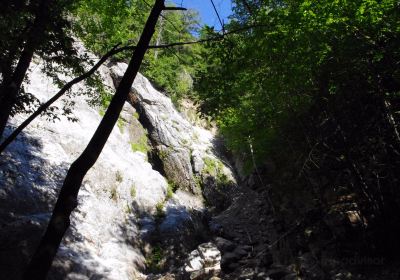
(133, 191)
(154, 260)
(118, 177)
(141, 145)
(160, 210)
(171, 189)
(113, 194)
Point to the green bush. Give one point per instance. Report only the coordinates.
(215, 168)
(160, 214)
(154, 259)
(171, 189)
(114, 194)
(141, 145)
(133, 191)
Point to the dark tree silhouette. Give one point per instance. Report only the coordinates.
(67, 200)
(9, 88)
(29, 28)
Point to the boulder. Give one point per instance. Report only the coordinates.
(203, 263)
(224, 245)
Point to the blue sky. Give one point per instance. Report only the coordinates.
(206, 11)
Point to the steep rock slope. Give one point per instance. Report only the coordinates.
(101, 238)
(116, 220)
(183, 149)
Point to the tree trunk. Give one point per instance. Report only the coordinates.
(67, 200)
(9, 88)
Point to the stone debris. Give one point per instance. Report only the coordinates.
(203, 263)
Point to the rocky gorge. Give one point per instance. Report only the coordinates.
(147, 209)
(164, 201)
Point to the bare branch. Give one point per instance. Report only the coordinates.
(174, 9)
(62, 91)
(115, 50)
(219, 18)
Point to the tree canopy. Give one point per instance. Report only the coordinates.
(313, 86)
(102, 24)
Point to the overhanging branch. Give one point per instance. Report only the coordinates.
(174, 9)
(115, 50)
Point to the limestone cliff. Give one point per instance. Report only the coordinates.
(125, 205)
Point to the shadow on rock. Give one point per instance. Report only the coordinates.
(28, 189)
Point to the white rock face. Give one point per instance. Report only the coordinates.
(181, 146)
(119, 195)
(103, 236)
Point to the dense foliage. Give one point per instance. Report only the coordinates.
(102, 24)
(314, 86)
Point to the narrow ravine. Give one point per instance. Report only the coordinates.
(164, 201)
